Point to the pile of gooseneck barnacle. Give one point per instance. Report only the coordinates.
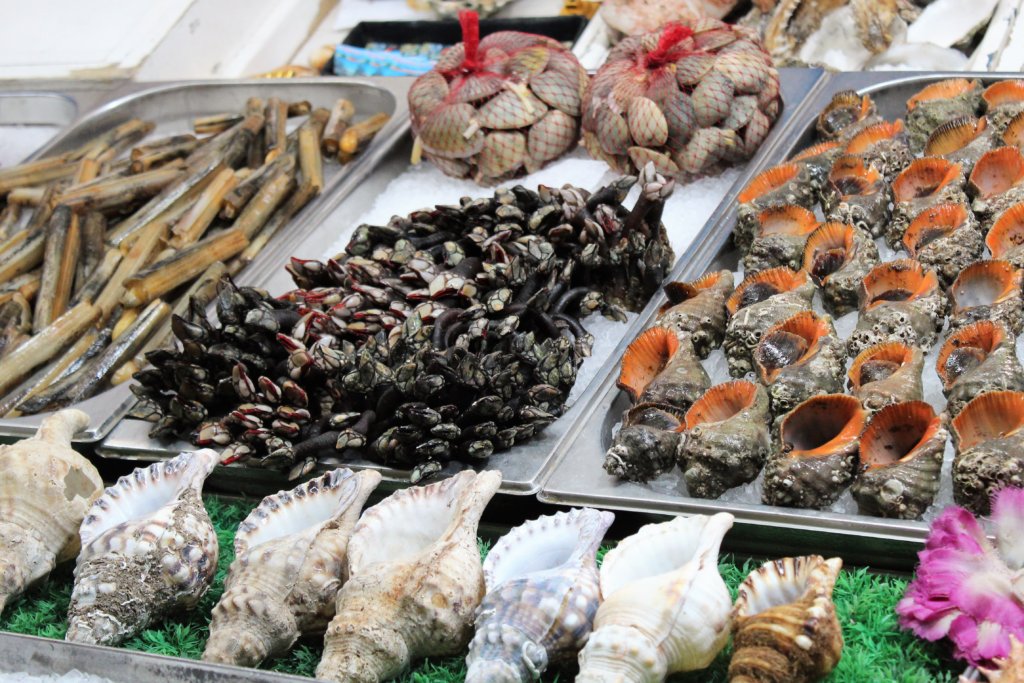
(444, 335)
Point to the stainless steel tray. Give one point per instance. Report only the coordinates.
(522, 467)
(577, 478)
(44, 656)
(172, 107)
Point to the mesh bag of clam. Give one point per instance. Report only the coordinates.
(864, 357)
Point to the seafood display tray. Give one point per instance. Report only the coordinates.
(172, 106)
(523, 467)
(576, 476)
(48, 657)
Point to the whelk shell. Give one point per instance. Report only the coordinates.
(816, 452)
(788, 183)
(659, 367)
(946, 238)
(900, 459)
(900, 301)
(996, 183)
(975, 359)
(666, 608)
(647, 443)
(937, 103)
(886, 373)
(1006, 237)
(884, 146)
(289, 564)
(784, 622)
(817, 159)
(726, 440)
(415, 580)
(837, 257)
(988, 290)
(856, 193)
(779, 238)
(46, 491)
(989, 436)
(962, 140)
(543, 591)
(845, 115)
(1003, 100)
(926, 182)
(1014, 132)
(148, 548)
(697, 309)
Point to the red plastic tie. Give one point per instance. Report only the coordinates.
(470, 22)
(667, 49)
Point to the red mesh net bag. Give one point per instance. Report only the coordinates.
(692, 99)
(500, 107)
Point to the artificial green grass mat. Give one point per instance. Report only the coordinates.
(876, 650)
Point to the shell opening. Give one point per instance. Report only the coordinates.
(1003, 92)
(899, 280)
(997, 171)
(761, 286)
(645, 357)
(872, 135)
(878, 362)
(721, 402)
(827, 250)
(990, 416)
(784, 581)
(967, 348)
(788, 219)
(678, 292)
(896, 431)
(923, 178)
(820, 422)
(933, 223)
(768, 181)
(984, 283)
(1007, 233)
(942, 90)
(850, 177)
(815, 150)
(1013, 134)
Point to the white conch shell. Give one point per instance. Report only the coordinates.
(45, 490)
(289, 564)
(666, 608)
(542, 594)
(415, 580)
(148, 548)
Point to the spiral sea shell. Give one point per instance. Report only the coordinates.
(926, 182)
(647, 443)
(900, 301)
(857, 194)
(962, 140)
(944, 237)
(1005, 239)
(996, 183)
(697, 309)
(989, 435)
(975, 359)
(1002, 101)
(779, 238)
(785, 184)
(988, 290)
(817, 159)
(937, 103)
(886, 373)
(846, 114)
(884, 146)
(837, 257)
(659, 367)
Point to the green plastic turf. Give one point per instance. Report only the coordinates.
(876, 650)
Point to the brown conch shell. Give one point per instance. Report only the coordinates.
(925, 183)
(697, 309)
(900, 459)
(788, 183)
(659, 367)
(989, 436)
(900, 301)
(647, 443)
(975, 359)
(415, 580)
(760, 301)
(726, 440)
(846, 115)
(46, 489)
(780, 238)
(817, 159)
(856, 193)
(884, 146)
(815, 455)
(798, 358)
(784, 622)
(996, 183)
(1006, 237)
(886, 373)
(944, 237)
(837, 257)
(963, 140)
(937, 103)
(988, 290)
(1014, 132)
(1003, 101)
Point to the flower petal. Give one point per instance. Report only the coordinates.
(1008, 518)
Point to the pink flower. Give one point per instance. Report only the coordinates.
(966, 589)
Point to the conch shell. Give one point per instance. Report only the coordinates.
(659, 367)
(784, 622)
(900, 459)
(846, 114)
(148, 548)
(45, 491)
(996, 183)
(856, 193)
(726, 440)
(415, 580)
(1003, 100)
(963, 140)
(975, 359)
(989, 435)
(937, 103)
(900, 301)
(788, 183)
(542, 594)
(925, 183)
(884, 146)
(647, 443)
(666, 608)
(837, 257)
(289, 564)
(988, 290)
(815, 456)
(944, 237)
(886, 373)
(798, 358)
(1005, 239)
(817, 159)
(779, 238)
(697, 309)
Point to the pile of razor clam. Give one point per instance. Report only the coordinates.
(100, 244)
(941, 193)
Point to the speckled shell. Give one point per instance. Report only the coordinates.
(415, 580)
(289, 564)
(840, 288)
(148, 548)
(1002, 101)
(1005, 239)
(846, 114)
(937, 103)
(926, 182)
(962, 140)
(697, 309)
(989, 437)
(904, 384)
(788, 183)
(46, 489)
(726, 440)
(647, 443)
(666, 608)
(818, 159)
(784, 622)
(780, 238)
(819, 370)
(747, 324)
(814, 458)
(944, 237)
(975, 359)
(884, 146)
(900, 460)
(914, 321)
(988, 290)
(542, 594)
(856, 193)
(996, 183)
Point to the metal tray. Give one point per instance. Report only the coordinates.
(172, 107)
(577, 478)
(522, 467)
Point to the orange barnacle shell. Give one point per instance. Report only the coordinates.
(955, 135)
(984, 283)
(896, 432)
(872, 135)
(721, 402)
(787, 219)
(924, 177)
(1003, 92)
(851, 176)
(645, 358)
(827, 249)
(760, 286)
(997, 171)
(1014, 132)
(898, 280)
(815, 150)
(966, 348)
(767, 181)
(990, 416)
(933, 223)
(678, 292)
(878, 362)
(1007, 233)
(788, 343)
(822, 424)
(942, 90)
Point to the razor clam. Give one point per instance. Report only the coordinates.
(845, 115)
(798, 358)
(148, 548)
(901, 453)
(989, 437)
(996, 183)
(543, 591)
(660, 367)
(886, 373)
(761, 301)
(926, 182)
(647, 443)
(788, 183)
(814, 458)
(1005, 239)
(726, 440)
(883, 146)
(976, 359)
(1002, 101)
(900, 301)
(937, 103)
(837, 257)
(963, 140)
(780, 238)
(697, 309)
(944, 237)
(988, 290)
(856, 193)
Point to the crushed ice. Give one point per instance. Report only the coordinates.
(73, 676)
